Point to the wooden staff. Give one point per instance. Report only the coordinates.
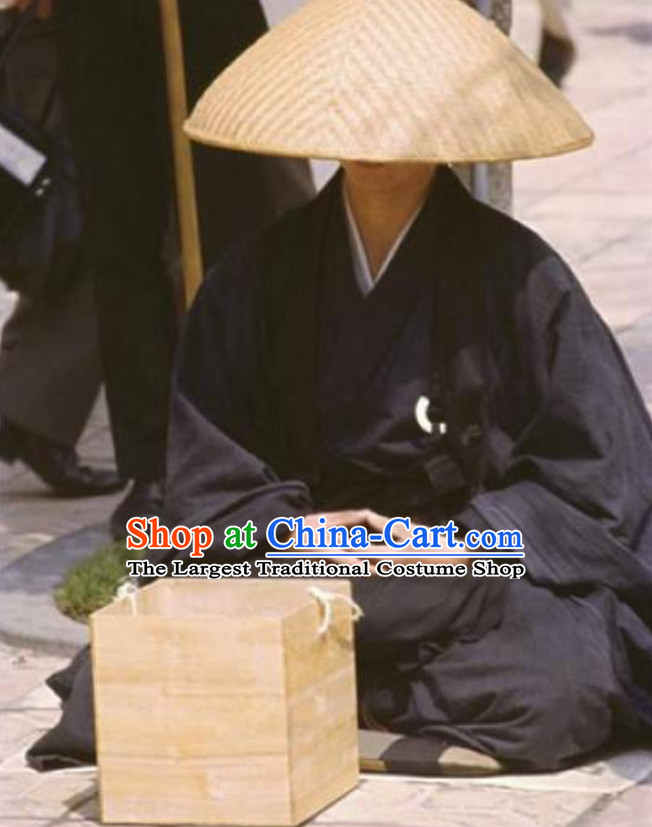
(191, 257)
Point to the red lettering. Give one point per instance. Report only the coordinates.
(137, 537)
(181, 537)
(160, 534)
(202, 539)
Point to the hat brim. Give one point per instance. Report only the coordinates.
(375, 80)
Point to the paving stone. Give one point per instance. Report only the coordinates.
(578, 241)
(610, 775)
(635, 250)
(16, 681)
(620, 206)
(14, 764)
(17, 730)
(50, 797)
(29, 821)
(68, 788)
(611, 293)
(631, 809)
(15, 788)
(40, 698)
(605, 169)
(384, 804)
(27, 589)
(42, 719)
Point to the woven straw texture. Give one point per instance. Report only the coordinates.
(387, 80)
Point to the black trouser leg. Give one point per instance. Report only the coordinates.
(114, 83)
(49, 364)
(114, 92)
(403, 611)
(404, 617)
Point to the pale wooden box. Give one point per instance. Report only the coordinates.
(219, 702)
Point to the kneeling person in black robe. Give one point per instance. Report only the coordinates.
(308, 351)
(295, 394)
(306, 356)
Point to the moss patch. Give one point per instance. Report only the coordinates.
(92, 584)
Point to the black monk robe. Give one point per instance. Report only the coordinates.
(294, 393)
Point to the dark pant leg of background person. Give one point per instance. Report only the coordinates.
(115, 106)
(557, 51)
(50, 370)
(50, 376)
(115, 92)
(236, 192)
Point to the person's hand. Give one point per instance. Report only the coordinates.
(347, 519)
(374, 523)
(400, 533)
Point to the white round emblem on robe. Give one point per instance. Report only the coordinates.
(422, 418)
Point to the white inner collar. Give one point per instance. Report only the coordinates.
(361, 268)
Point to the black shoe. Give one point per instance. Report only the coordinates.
(556, 56)
(56, 464)
(144, 499)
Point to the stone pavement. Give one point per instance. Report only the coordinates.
(596, 209)
(616, 792)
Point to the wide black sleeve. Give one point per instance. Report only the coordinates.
(577, 481)
(222, 422)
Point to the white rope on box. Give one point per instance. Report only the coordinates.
(326, 601)
(128, 590)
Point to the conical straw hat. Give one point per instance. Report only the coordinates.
(387, 80)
